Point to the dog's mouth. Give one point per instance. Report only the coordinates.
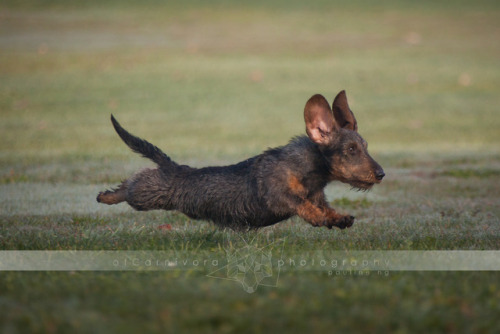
(361, 185)
(358, 184)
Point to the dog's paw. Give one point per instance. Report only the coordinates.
(342, 223)
(346, 222)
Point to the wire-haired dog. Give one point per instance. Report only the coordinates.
(263, 190)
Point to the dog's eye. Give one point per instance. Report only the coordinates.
(352, 149)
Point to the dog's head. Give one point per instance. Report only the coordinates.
(335, 131)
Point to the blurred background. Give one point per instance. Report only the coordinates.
(218, 81)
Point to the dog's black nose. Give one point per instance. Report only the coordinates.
(379, 175)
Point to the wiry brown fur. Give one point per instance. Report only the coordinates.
(263, 190)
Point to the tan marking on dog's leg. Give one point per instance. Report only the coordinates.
(296, 187)
(315, 215)
(323, 216)
(113, 197)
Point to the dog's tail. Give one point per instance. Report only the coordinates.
(143, 147)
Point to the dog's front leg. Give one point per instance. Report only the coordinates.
(314, 207)
(323, 215)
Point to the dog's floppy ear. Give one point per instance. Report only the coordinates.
(319, 120)
(342, 113)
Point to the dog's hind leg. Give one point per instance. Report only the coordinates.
(113, 196)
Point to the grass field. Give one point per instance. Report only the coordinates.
(216, 83)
